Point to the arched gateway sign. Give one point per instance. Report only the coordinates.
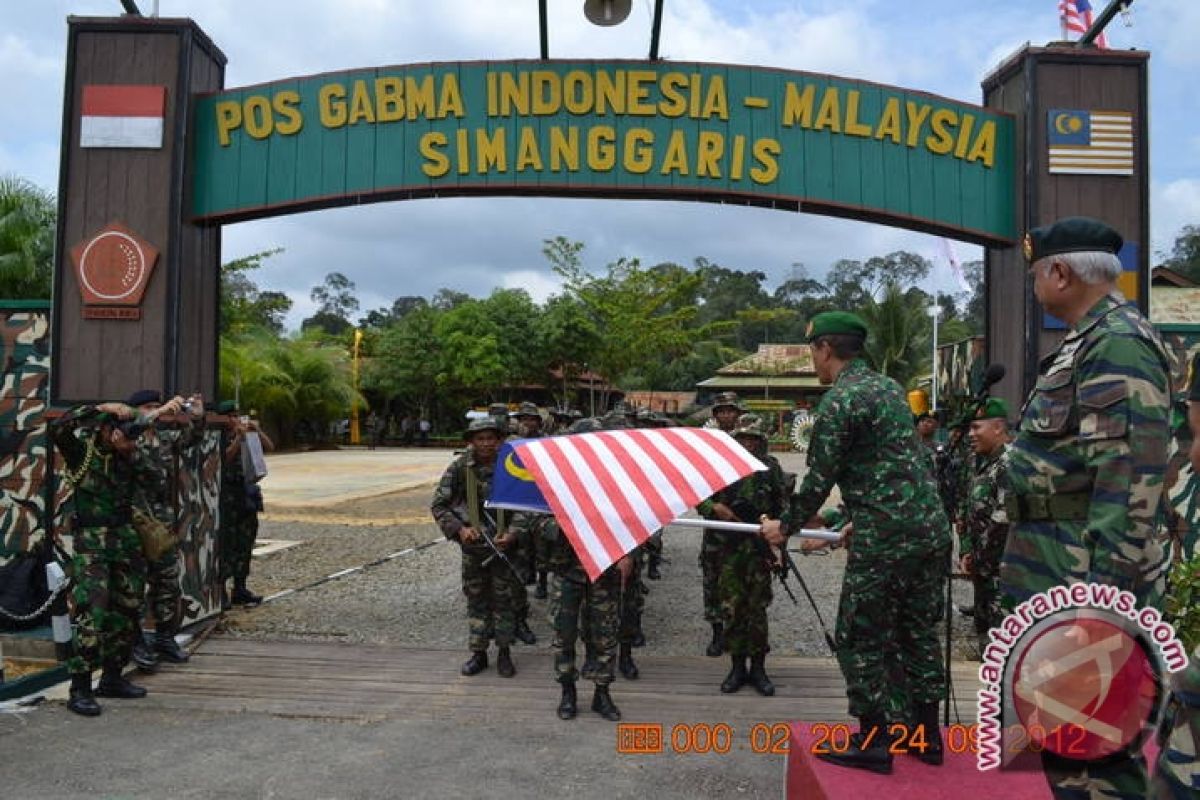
(791, 140)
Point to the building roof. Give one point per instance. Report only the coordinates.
(720, 381)
(1165, 276)
(772, 360)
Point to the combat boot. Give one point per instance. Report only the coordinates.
(540, 592)
(244, 597)
(504, 663)
(522, 632)
(717, 645)
(602, 704)
(143, 655)
(166, 646)
(568, 706)
(736, 678)
(927, 719)
(625, 662)
(652, 571)
(113, 684)
(83, 701)
(476, 664)
(869, 749)
(758, 675)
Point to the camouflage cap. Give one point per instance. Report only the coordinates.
(994, 408)
(750, 425)
(726, 399)
(1071, 235)
(483, 424)
(835, 322)
(498, 409)
(528, 409)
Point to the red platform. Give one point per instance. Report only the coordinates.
(810, 778)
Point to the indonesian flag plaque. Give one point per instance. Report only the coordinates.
(113, 267)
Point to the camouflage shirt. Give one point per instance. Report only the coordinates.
(863, 441)
(449, 506)
(104, 482)
(157, 449)
(761, 493)
(1094, 428)
(986, 521)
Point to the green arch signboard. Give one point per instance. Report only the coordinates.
(634, 129)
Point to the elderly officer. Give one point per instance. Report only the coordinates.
(715, 545)
(1089, 456)
(892, 592)
(486, 580)
(985, 520)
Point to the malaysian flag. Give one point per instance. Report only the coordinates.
(1076, 16)
(1090, 142)
(610, 490)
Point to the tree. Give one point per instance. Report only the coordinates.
(1185, 255)
(900, 332)
(243, 306)
(27, 227)
(335, 303)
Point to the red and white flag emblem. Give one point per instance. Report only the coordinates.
(610, 490)
(123, 116)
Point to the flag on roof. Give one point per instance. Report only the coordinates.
(610, 490)
(1076, 16)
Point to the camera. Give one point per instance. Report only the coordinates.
(187, 406)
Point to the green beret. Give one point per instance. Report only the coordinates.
(1071, 235)
(227, 407)
(994, 408)
(835, 322)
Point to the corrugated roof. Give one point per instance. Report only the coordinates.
(761, 381)
(774, 360)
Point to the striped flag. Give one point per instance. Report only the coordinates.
(122, 116)
(1090, 142)
(610, 490)
(1076, 17)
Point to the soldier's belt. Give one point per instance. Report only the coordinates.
(1042, 507)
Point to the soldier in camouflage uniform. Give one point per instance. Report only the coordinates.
(574, 600)
(529, 426)
(102, 467)
(1177, 773)
(525, 423)
(241, 500)
(985, 522)
(653, 546)
(487, 580)
(863, 441)
(715, 544)
(1088, 459)
(159, 447)
(744, 586)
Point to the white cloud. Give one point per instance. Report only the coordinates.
(539, 285)
(1172, 205)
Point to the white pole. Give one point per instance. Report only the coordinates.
(933, 375)
(750, 527)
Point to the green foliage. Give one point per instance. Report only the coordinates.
(899, 345)
(27, 227)
(1183, 603)
(244, 307)
(1185, 255)
(335, 303)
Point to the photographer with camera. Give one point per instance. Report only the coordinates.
(102, 467)
(159, 446)
(241, 501)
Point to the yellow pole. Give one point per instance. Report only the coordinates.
(355, 437)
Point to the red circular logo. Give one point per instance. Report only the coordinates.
(112, 265)
(1084, 689)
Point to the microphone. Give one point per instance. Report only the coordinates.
(991, 376)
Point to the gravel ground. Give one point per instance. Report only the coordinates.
(415, 599)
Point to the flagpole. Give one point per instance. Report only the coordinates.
(750, 527)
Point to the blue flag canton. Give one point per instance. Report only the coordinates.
(512, 484)
(1067, 126)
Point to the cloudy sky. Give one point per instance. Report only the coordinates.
(477, 244)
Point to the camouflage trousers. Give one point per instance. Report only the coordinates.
(987, 611)
(573, 605)
(1177, 771)
(714, 547)
(110, 573)
(632, 604)
(745, 592)
(237, 535)
(1121, 778)
(887, 636)
(164, 598)
(489, 588)
(520, 594)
